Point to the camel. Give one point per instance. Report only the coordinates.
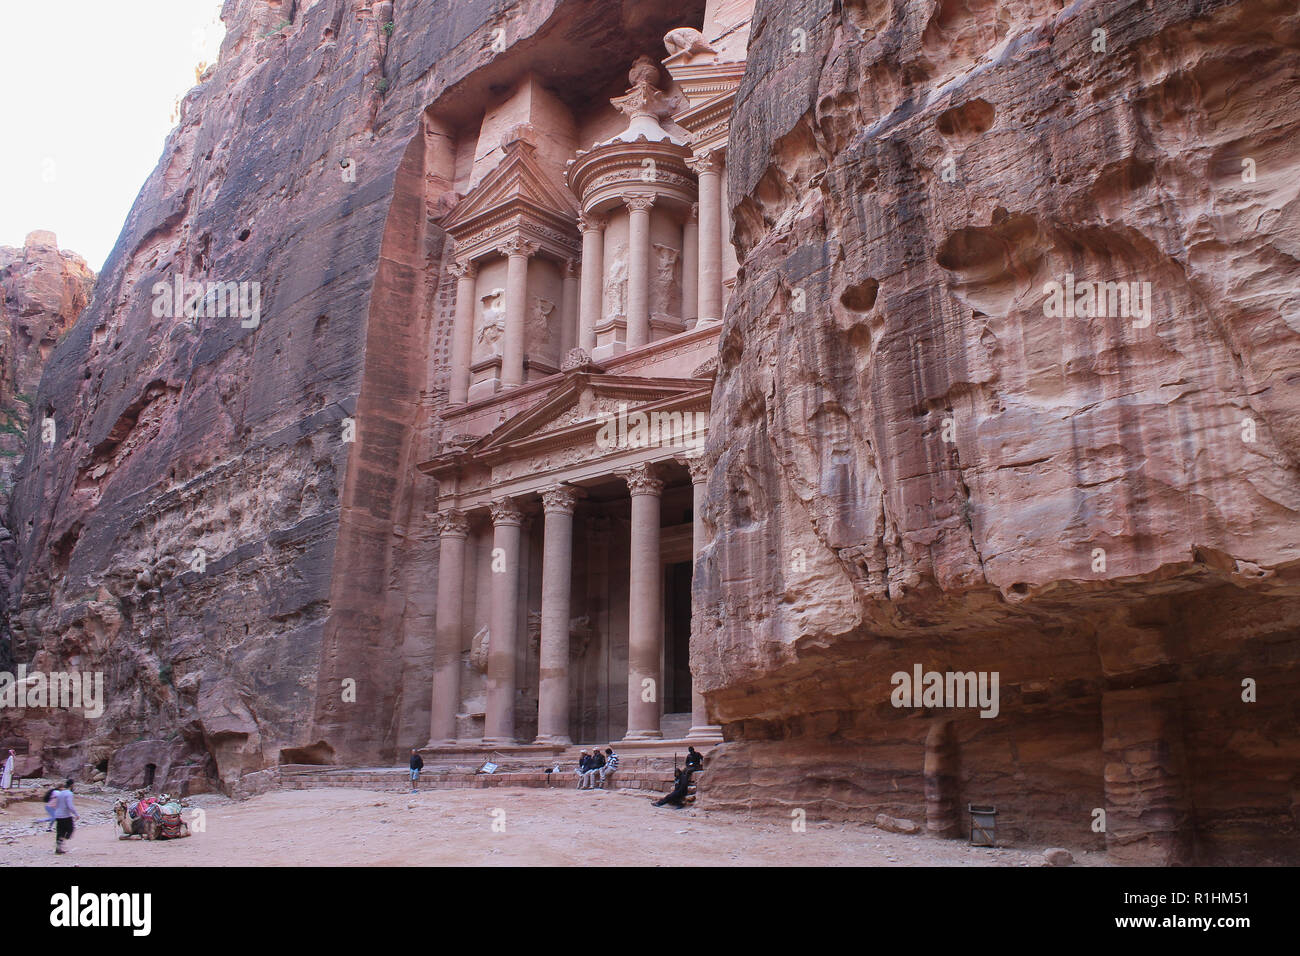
(144, 825)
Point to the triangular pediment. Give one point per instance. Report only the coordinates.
(586, 397)
(517, 183)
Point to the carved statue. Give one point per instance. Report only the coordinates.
(492, 325)
(478, 649)
(688, 39)
(665, 289)
(616, 285)
(541, 319)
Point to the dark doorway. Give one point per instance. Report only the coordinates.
(677, 638)
(150, 770)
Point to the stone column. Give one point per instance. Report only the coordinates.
(453, 528)
(701, 729)
(569, 308)
(1149, 814)
(517, 252)
(940, 775)
(638, 269)
(557, 575)
(709, 169)
(645, 607)
(462, 335)
(593, 280)
(691, 266)
(507, 523)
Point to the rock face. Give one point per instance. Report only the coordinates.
(926, 458)
(229, 526)
(42, 291)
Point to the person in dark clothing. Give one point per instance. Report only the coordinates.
(694, 759)
(417, 764)
(677, 796)
(588, 778)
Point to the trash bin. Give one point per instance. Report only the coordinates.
(983, 825)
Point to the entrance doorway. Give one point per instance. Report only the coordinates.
(677, 638)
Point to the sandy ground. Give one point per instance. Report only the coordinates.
(342, 827)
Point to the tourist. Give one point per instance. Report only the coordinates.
(48, 800)
(7, 777)
(584, 764)
(694, 759)
(64, 815)
(677, 797)
(588, 780)
(417, 764)
(611, 764)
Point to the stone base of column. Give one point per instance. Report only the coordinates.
(708, 733)
(553, 740)
(634, 735)
(498, 742)
(441, 744)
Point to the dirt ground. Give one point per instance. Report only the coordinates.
(500, 827)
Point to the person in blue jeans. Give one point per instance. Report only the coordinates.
(64, 813)
(49, 810)
(417, 764)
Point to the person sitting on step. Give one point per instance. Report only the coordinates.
(694, 759)
(588, 781)
(611, 764)
(677, 797)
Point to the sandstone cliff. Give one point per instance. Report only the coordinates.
(204, 531)
(921, 460)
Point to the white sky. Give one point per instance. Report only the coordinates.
(90, 88)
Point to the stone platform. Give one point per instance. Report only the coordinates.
(646, 766)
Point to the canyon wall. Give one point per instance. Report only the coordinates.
(229, 526)
(923, 458)
(42, 291)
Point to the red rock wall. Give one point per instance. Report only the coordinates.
(918, 464)
(175, 436)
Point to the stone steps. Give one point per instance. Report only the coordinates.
(655, 781)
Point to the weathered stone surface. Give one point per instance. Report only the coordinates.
(42, 291)
(896, 824)
(1056, 856)
(917, 463)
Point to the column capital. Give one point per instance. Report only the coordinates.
(518, 246)
(693, 214)
(505, 511)
(638, 203)
(697, 465)
(590, 222)
(709, 161)
(642, 480)
(570, 270)
(561, 499)
(451, 523)
(463, 268)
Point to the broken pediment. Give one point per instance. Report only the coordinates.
(517, 195)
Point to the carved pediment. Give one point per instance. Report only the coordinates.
(520, 189)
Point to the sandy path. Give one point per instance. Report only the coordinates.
(343, 827)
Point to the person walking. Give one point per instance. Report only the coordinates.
(48, 800)
(417, 764)
(7, 776)
(65, 812)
